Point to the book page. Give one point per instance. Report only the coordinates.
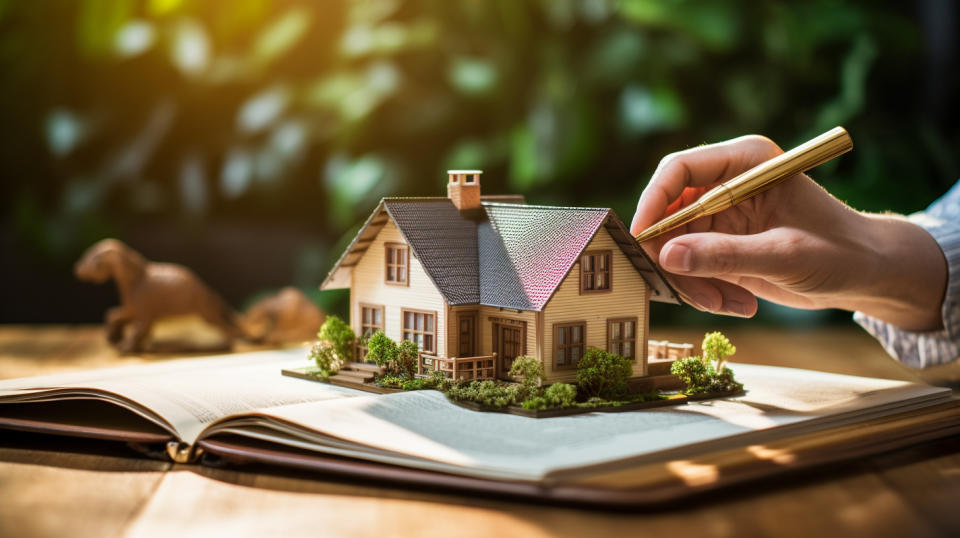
(185, 395)
(424, 427)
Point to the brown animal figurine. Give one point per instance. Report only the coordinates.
(148, 292)
(287, 316)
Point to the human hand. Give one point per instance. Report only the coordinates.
(794, 244)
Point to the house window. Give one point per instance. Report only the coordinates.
(595, 272)
(371, 321)
(568, 343)
(397, 264)
(421, 327)
(622, 337)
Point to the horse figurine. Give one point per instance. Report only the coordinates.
(150, 291)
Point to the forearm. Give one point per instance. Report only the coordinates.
(903, 274)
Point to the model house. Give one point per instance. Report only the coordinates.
(479, 280)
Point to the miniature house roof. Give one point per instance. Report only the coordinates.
(508, 255)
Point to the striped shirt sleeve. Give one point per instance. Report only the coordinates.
(926, 349)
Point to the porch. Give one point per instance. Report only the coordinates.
(661, 354)
(663, 349)
(469, 368)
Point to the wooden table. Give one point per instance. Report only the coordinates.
(52, 486)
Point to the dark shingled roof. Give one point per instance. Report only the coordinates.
(505, 255)
(444, 242)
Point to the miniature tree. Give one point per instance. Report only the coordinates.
(407, 356)
(324, 354)
(398, 359)
(334, 348)
(339, 335)
(603, 374)
(382, 350)
(560, 395)
(716, 348)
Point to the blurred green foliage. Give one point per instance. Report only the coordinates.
(122, 112)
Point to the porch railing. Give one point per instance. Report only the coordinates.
(469, 368)
(662, 349)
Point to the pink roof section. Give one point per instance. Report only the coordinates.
(542, 243)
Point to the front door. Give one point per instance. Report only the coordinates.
(467, 335)
(510, 346)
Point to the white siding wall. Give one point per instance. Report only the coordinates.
(629, 298)
(369, 287)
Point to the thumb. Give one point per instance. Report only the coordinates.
(723, 255)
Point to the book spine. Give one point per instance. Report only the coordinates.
(182, 452)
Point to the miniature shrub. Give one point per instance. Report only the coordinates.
(716, 348)
(323, 354)
(443, 383)
(535, 404)
(382, 350)
(339, 335)
(436, 381)
(489, 393)
(514, 394)
(632, 398)
(556, 395)
(522, 392)
(391, 381)
(406, 362)
(724, 382)
(708, 374)
(603, 374)
(530, 369)
(694, 372)
(560, 395)
(415, 384)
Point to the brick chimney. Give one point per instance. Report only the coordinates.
(463, 188)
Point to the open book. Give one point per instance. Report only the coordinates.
(240, 405)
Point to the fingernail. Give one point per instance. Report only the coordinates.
(735, 307)
(677, 259)
(705, 301)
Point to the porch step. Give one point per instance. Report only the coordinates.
(364, 367)
(353, 376)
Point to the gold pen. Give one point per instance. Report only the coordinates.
(810, 154)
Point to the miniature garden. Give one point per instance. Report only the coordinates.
(602, 378)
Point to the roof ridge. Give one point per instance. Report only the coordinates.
(551, 207)
(413, 198)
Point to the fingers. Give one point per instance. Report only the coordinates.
(697, 169)
(715, 296)
(771, 254)
(723, 273)
(767, 290)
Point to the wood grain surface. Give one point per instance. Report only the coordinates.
(52, 486)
